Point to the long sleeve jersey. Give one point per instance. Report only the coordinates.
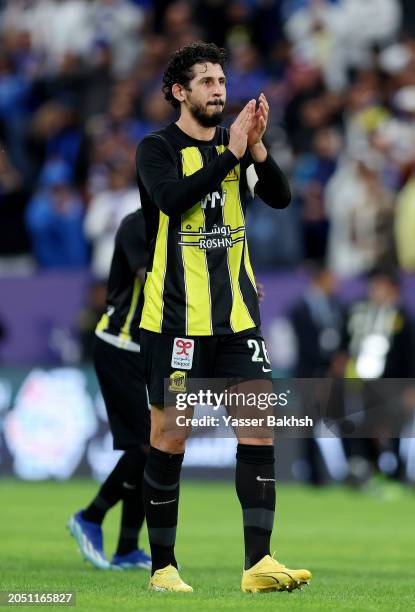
(194, 194)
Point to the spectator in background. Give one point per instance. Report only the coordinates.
(14, 107)
(148, 72)
(360, 212)
(213, 18)
(100, 81)
(318, 320)
(246, 74)
(118, 23)
(73, 26)
(177, 25)
(274, 243)
(337, 35)
(405, 224)
(364, 111)
(56, 133)
(309, 108)
(408, 9)
(155, 111)
(66, 86)
(55, 27)
(26, 60)
(111, 141)
(395, 136)
(105, 214)
(14, 243)
(380, 335)
(310, 26)
(267, 26)
(54, 220)
(379, 343)
(311, 175)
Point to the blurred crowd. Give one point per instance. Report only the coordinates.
(80, 86)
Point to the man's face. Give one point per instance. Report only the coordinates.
(205, 96)
(383, 291)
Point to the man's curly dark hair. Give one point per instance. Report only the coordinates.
(180, 64)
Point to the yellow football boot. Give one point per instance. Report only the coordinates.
(269, 575)
(168, 579)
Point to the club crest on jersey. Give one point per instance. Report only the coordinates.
(232, 175)
(177, 382)
(182, 355)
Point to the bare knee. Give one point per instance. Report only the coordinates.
(168, 443)
(165, 436)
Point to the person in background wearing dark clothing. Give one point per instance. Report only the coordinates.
(379, 343)
(318, 321)
(381, 315)
(14, 239)
(90, 316)
(54, 219)
(120, 371)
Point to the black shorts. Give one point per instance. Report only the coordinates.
(233, 356)
(121, 378)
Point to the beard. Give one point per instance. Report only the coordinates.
(205, 119)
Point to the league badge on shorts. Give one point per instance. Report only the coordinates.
(178, 382)
(182, 356)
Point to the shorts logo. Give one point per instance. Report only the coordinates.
(182, 355)
(177, 382)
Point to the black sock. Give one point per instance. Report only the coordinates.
(255, 487)
(113, 489)
(132, 516)
(161, 502)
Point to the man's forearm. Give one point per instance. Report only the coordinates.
(174, 197)
(272, 186)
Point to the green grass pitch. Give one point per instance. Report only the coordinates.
(360, 549)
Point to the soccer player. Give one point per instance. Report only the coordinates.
(119, 369)
(200, 316)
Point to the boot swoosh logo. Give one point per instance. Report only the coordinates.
(259, 479)
(170, 501)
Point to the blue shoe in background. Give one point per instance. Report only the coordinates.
(89, 538)
(136, 559)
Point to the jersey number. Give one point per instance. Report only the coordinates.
(257, 357)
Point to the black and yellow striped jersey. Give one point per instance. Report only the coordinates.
(199, 279)
(120, 324)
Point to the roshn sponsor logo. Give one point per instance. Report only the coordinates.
(219, 236)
